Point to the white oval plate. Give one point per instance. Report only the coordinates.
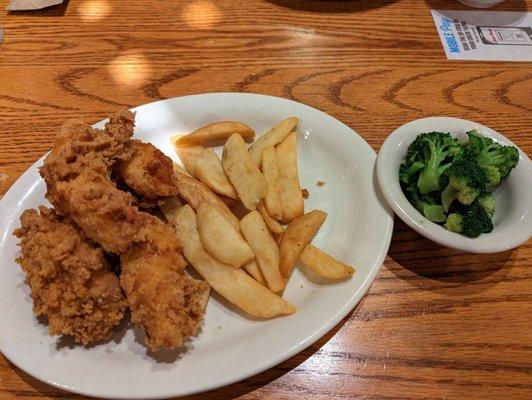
(229, 347)
(512, 219)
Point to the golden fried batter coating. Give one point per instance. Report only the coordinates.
(70, 280)
(162, 297)
(105, 213)
(77, 175)
(148, 172)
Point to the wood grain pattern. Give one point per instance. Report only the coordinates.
(436, 323)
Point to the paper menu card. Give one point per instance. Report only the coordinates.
(20, 5)
(485, 35)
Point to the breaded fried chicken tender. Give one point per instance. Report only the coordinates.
(70, 280)
(162, 297)
(148, 172)
(77, 176)
(157, 287)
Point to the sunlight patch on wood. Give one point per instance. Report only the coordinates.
(94, 10)
(130, 69)
(202, 14)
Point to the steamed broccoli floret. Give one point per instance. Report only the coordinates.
(437, 170)
(435, 150)
(408, 173)
(454, 223)
(492, 173)
(496, 160)
(425, 204)
(487, 201)
(414, 197)
(434, 212)
(469, 220)
(466, 181)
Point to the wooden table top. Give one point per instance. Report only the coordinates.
(436, 323)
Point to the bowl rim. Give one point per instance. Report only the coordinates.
(387, 176)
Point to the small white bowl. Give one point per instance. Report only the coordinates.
(480, 3)
(512, 220)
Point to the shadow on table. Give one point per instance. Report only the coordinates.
(445, 268)
(332, 6)
(54, 11)
(225, 393)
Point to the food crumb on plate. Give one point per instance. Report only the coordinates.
(305, 193)
(320, 183)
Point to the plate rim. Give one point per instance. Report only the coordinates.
(297, 348)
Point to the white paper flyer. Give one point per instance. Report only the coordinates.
(24, 5)
(485, 35)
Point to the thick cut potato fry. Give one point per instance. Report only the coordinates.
(270, 170)
(253, 269)
(209, 170)
(296, 236)
(194, 192)
(291, 195)
(189, 156)
(220, 239)
(243, 173)
(265, 248)
(324, 265)
(272, 138)
(216, 134)
(273, 225)
(233, 284)
(170, 206)
(179, 168)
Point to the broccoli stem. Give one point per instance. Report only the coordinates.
(429, 178)
(428, 181)
(415, 167)
(448, 195)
